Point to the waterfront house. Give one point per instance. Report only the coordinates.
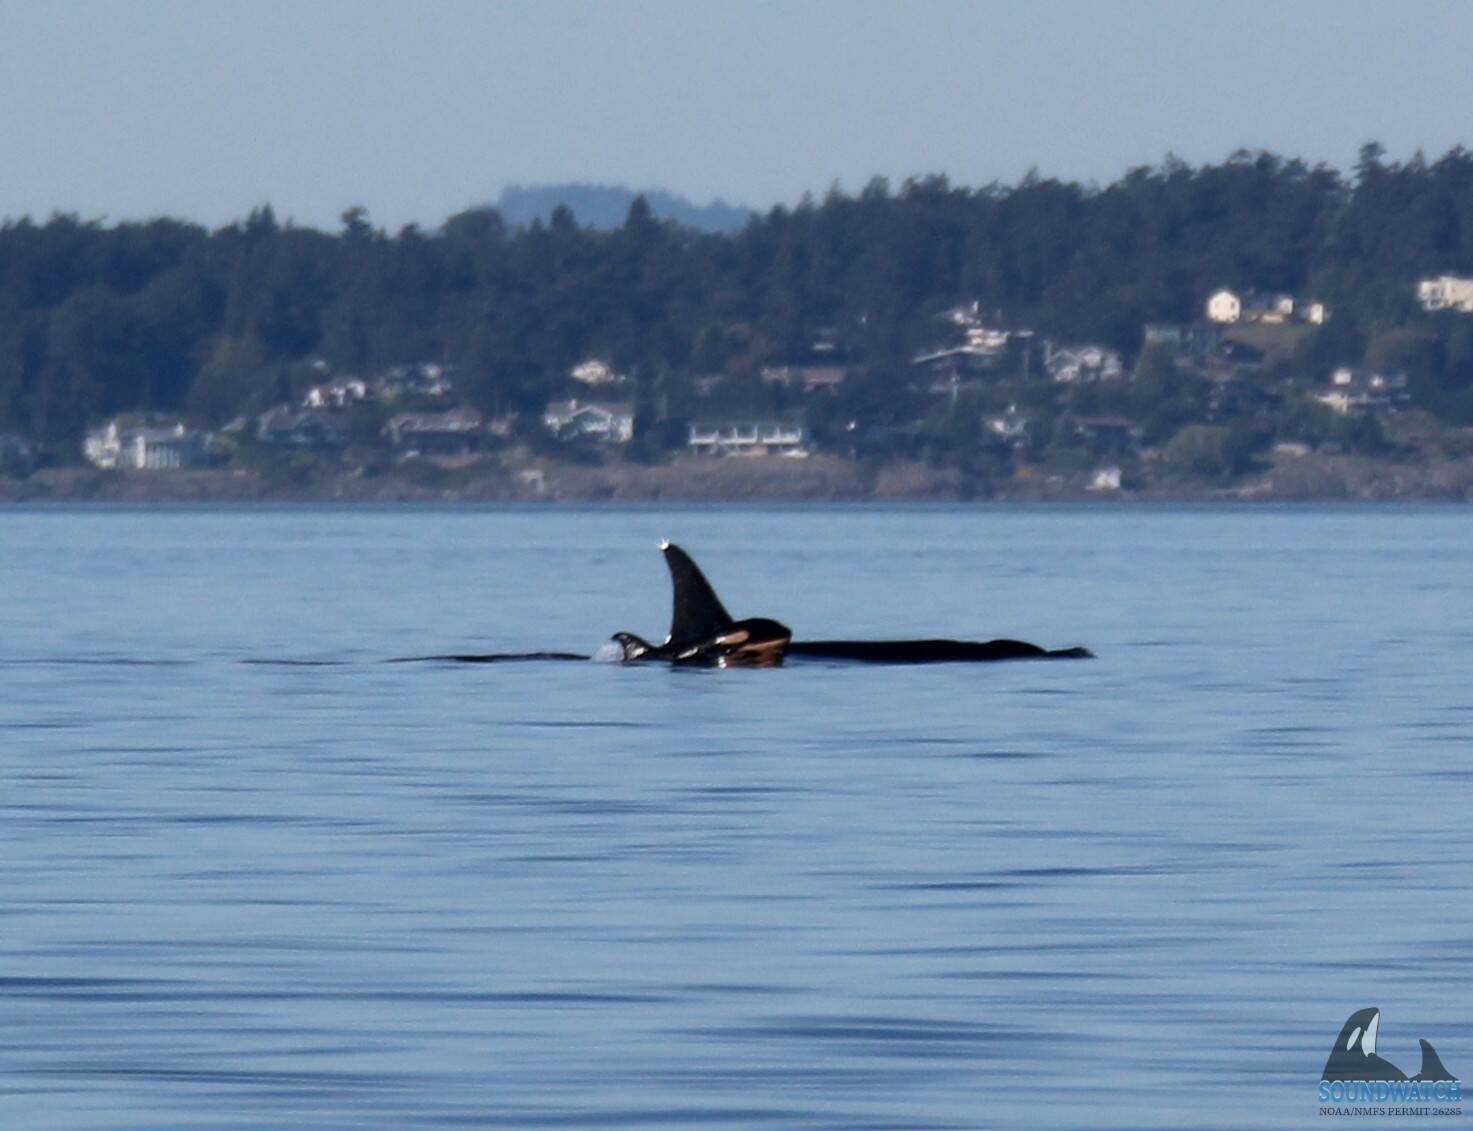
(122, 445)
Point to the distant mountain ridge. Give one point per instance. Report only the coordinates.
(605, 206)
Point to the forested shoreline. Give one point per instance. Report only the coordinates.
(168, 317)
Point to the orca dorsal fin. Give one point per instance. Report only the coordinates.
(1432, 1068)
(697, 614)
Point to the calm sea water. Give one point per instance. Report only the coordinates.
(1143, 891)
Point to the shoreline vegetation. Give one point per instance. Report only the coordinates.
(1255, 329)
(1310, 477)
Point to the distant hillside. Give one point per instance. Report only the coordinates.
(605, 206)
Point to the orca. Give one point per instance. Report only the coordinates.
(703, 633)
(1354, 1055)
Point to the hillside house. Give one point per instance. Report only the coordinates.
(1354, 388)
(595, 371)
(748, 437)
(1011, 427)
(310, 429)
(1190, 343)
(957, 361)
(967, 314)
(1107, 434)
(1082, 363)
(985, 350)
(1224, 307)
(1227, 307)
(336, 394)
(807, 378)
(423, 379)
(1446, 292)
(608, 422)
(451, 433)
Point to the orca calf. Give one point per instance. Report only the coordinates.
(703, 633)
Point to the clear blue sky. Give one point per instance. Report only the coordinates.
(133, 108)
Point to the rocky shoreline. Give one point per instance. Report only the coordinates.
(1306, 478)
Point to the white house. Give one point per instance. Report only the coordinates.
(613, 423)
(1446, 292)
(1224, 306)
(968, 314)
(422, 379)
(595, 371)
(1353, 388)
(1011, 426)
(748, 437)
(1082, 363)
(336, 394)
(1274, 309)
(144, 448)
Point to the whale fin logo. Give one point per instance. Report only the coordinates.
(1354, 1056)
(1432, 1069)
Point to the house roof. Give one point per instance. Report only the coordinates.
(567, 410)
(452, 420)
(1103, 422)
(163, 435)
(957, 351)
(746, 422)
(289, 420)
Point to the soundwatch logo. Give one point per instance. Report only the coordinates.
(1357, 1081)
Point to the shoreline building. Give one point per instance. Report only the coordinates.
(117, 446)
